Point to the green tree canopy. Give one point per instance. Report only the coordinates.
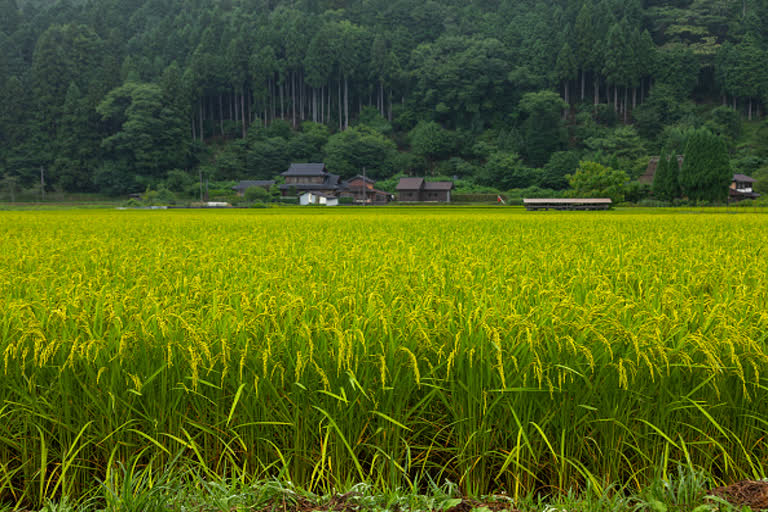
(596, 180)
(666, 185)
(357, 147)
(706, 172)
(145, 137)
(544, 132)
(431, 141)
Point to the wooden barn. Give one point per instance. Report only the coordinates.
(412, 190)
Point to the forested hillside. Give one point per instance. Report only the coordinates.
(114, 96)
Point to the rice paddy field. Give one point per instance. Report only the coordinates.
(503, 351)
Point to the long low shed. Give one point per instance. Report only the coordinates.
(580, 203)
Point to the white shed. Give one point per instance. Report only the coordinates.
(308, 198)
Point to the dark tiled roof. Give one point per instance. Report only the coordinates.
(245, 184)
(743, 178)
(316, 169)
(438, 185)
(410, 184)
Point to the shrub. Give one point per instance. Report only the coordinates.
(253, 194)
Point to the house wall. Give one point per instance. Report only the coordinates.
(409, 195)
(442, 196)
(292, 180)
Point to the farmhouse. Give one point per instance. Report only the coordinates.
(241, 187)
(420, 190)
(311, 177)
(741, 188)
(361, 190)
(741, 185)
(579, 203)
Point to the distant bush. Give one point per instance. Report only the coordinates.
(161, 196)
(533, 192)
(475, 198)
(132, 203)
(180, 181)
(256, 194)
(653, 203)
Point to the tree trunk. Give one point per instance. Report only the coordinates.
(314, 105)
(201, 121)
(249, 104)
(194, 131)
(282, 99)
(221, 115)
(273, 98)
(341, 118)
(567, 96)
(302, 94)
(582, 85)
(625, 104)
(383, 101)
(390, 105)
(346, 103)
(293, 98)
(242, 113)
(597, 90)
(634, 98)
(749, 110)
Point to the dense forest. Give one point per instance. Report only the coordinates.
(115, 96)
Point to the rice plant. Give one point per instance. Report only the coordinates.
(499, 350)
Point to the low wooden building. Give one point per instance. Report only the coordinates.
(419, 190)
(362, 191)
(578, 203)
